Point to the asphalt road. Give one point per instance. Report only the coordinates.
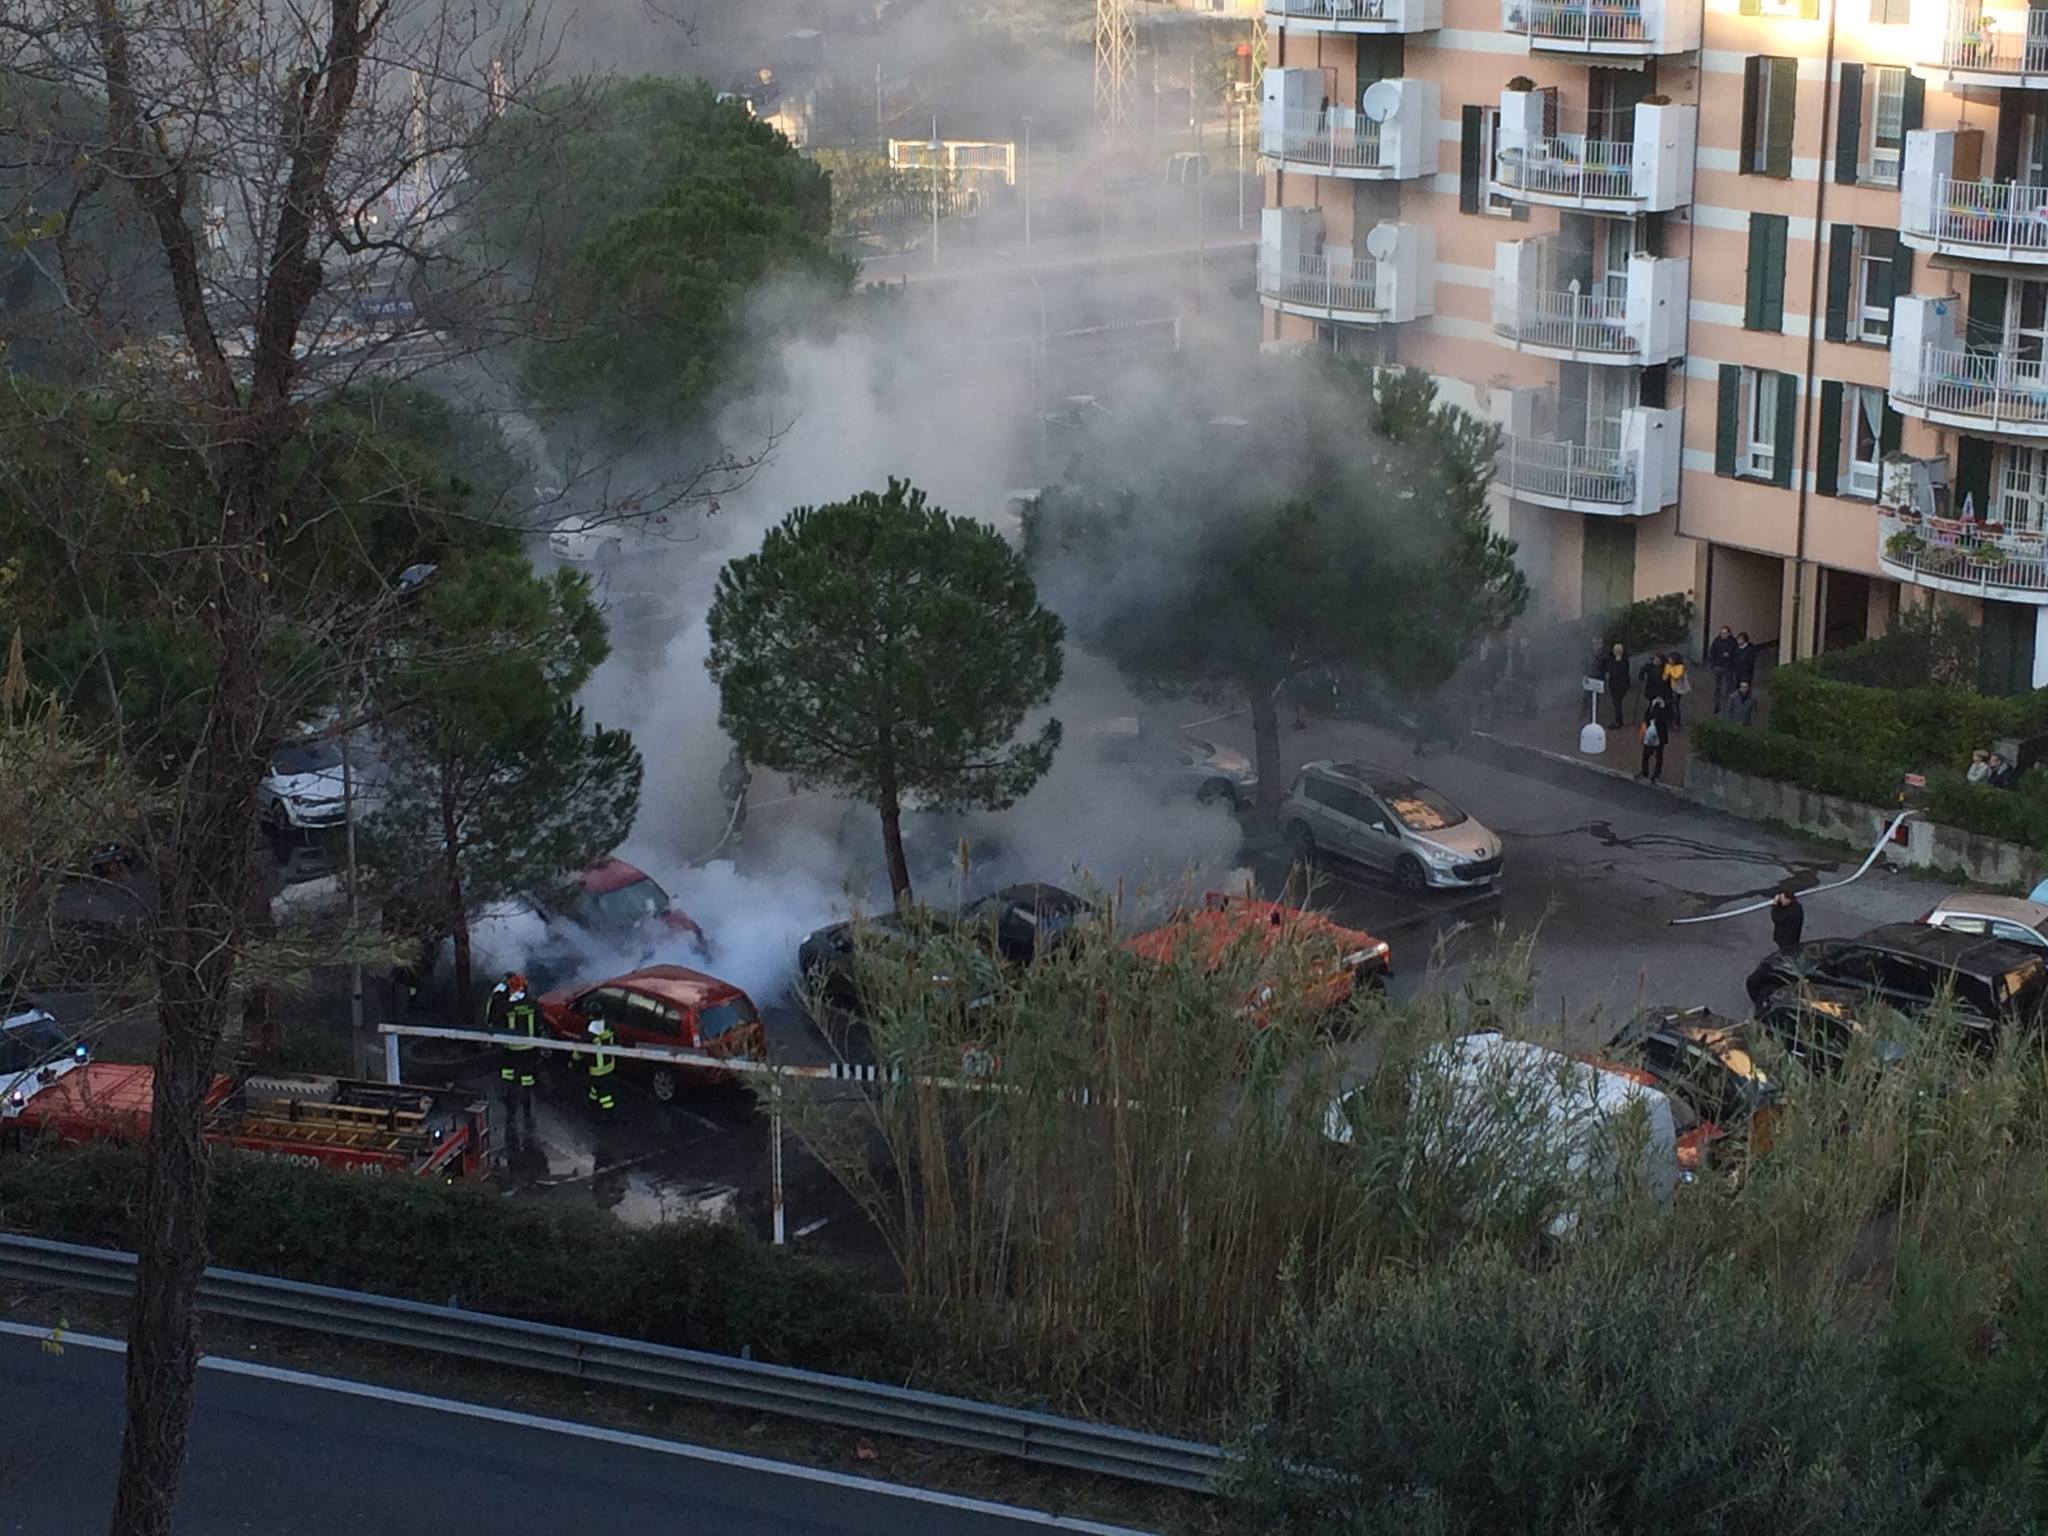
(282, 1453)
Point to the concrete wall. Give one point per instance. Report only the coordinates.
(1985, 860)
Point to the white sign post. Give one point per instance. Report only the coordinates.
(1592, 737)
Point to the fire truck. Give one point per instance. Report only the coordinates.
(308, 1119)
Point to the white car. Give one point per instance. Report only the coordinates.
(585, 539)
(34, 1050)
(1997, 917)
(306, 790)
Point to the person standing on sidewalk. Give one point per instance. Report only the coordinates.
(1788, 921)
(1742, 705)
(1677, 685)
(1721, 661)
(1614, 672)
(1745, 659)
(1656, 735)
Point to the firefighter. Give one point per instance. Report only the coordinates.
(495, 1004)
(521, 1024)
(602, 1062)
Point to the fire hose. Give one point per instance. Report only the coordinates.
(1833, 885)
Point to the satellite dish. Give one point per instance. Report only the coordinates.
(1382, 240)
(1381, 100)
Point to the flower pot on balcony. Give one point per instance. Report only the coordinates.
(1905, 545)
(1521, 83)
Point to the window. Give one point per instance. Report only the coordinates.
(1759, 424)
(1887, 126)
(1769, 89)
(1867, 270)
(1863, 435)
(2023, 489)
(1891, 13)
(1870, 316)
(1477, 145)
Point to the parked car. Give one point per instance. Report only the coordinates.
(34, 1049)
(1999, 917)
(304, 788)
(585, 539)
(663, 1005)
(612, 907)
(1184, 765)
(1818, 1026)
(1907, 966)
(1387, 821)
(1702, 1062)
(1341, 959)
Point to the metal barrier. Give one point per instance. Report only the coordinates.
(870, 1407)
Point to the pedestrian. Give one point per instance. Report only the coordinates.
(734, 779)
(521, 1024)
(2003, 774)
(1980, 767)
(1742, 705)
(1656, 736)
(1614, 672)
(1521, 680)
(1745, 658)
(1678, 685)
(601, 1065)
(1650, 676)
(1721, 660)
(1788, 921)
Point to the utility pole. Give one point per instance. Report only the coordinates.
(933, 149)
(1027, 183)
(1116, 67)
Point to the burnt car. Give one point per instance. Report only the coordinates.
(1013, 926)
(1993, 984)
(1704, 1064)
(663, 1005)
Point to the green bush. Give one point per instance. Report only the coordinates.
(1773, 755)
(1933, 646)
(1908, 728)
(1653, 622)
(1610, 1394)
(695, 1285)
(2017, 815)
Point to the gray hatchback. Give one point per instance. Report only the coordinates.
(1387, 821)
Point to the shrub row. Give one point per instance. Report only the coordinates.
(694, 1285)
(1907, 728)
(1789, 760)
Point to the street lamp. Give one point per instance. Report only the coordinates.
(1027, 183)
(932, 149)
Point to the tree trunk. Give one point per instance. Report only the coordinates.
(1266, 749)
(892, 845)
(458, 910)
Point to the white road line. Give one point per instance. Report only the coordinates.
(596, 1432)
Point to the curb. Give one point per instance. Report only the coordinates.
(1620, 776)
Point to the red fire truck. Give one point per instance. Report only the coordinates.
(304, 1118)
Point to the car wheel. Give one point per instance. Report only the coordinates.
(665, 1084)
(1413, 877)
(1301, 843)
(1217, 792)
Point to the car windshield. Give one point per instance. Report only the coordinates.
(2016, 981)
(1420, 808)
(30, 1040)
(627, 907)
(313, 757)
(724, 1018)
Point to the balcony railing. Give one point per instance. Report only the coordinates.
(1558, 471)
(1349, 142)
(1954, 552)
(1577, 21)
(1996, 42)
(1332, 10)
(1319, 282)
(1583, 322)
(1995, 216)
(1568, 165)
(1993, 389)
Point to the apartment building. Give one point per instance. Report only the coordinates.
(1756, 289)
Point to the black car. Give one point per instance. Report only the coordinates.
(1700, 1059)
(1015, 925)
(1907, 966)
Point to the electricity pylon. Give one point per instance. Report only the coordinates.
(1116, 67)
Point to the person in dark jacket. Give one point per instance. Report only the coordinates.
(1788, 921)
(2003, 774)
(1721, 661)
(1656, 735)
(1745, 658)
(1614, 672)
(1742, 705)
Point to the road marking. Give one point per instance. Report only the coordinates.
(620, 1437)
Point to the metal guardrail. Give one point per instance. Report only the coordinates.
(871, 1407)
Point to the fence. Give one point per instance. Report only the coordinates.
(870, 1407)
(2001, 216)
(2006, 43)
(1568, 165)
(1319, 282)
(1963, 553)
(1568, 471)
(1583, 22)
(1997, 389)
(1583, 322)
(1337, 138)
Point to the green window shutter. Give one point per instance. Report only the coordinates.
(1472, 127)
(1752, 91)
(1888, 425)
(1915, 102)
(1774, 271)
(1826, 469)
(1788, 421)
(1753, 299)
(1728, 422)
(1778, 130)
(1902, 266)
(1973, 475)
(1984, 329)
(1841, 278)
(1849, 125)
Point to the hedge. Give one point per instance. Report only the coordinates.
(1774, 755)
(1910, 728)
(694, 1285)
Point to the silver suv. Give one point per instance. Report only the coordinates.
(1387, 821)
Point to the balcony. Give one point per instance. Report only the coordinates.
(1961, 216)
(1956, 555)
(1630, 29)
(1356, 15)
(1936, 379)
(1638, 477)
(1392, 138)
(1392, 280)
(1995, 49)
(1642, 324)
(1648, 172)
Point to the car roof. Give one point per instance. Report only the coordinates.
(676, 984)
(1974, 953)
(610, 875)
(1365, 775)
(1226, 919)
(1037, 895)
(2011, 909)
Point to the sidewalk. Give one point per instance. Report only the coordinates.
(1554, 729)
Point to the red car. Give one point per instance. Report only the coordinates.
(1340, 958)
(663, 1005)
(617, 897)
